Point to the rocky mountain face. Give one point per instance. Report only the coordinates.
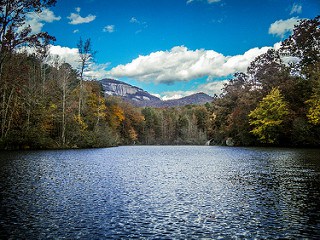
(136, 95)
(142, 98)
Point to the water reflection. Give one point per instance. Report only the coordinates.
(160, 192)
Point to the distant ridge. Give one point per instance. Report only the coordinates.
(197, 99)
(142, 98)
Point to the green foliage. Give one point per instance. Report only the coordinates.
(304, 43)
(314, 110)
(269, 116)
(256, 104)
(183, 125)
(51, 106)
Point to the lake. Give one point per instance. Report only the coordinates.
(160, 192)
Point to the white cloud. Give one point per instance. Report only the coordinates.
(142, 24)
(68, 55)
(76, 31)
(134, 20)
(46, 16)
(156, 95)
(109, 29)
(210, 88)
(75, 18)
(71, 56)
(182, 64)
(208, 1)
(97, 71)
(296, 8)
(175, 95)
(37, 20)
(177, 64)
(277, 45)
(282, 27)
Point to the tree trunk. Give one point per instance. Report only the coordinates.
(5, 105)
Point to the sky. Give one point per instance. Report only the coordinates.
(171, 48)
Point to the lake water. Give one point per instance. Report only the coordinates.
(160, 192)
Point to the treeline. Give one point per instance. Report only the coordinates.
(39, 106)
(277, 101)
(40, 109)
(45, 103)
(48, 104)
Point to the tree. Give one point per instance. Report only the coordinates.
(14, 34)
(86, 55)
(314, 110)
(304, 44)
(65, 76)
(269, 116)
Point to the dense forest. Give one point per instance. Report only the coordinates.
(277, 101)
(45, 103)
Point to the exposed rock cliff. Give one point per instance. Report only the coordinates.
(137, 95)
(141, 98)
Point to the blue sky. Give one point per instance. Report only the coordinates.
(171, 48)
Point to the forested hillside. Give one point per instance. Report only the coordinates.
(50, 105)
(277, 101)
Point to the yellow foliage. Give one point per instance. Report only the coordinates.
(53, 106)
(78, 119)
(268, 116)
(118, 112)
(133, 134)
(314, 110)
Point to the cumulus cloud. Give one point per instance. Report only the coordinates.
(174, 65)
(71, 56)
(68, 55)
(109, 29)
(182, 64)
(97, 71)
(37, 20)
(282, 27)
(212, 88)
(76, 19)
(296, 8)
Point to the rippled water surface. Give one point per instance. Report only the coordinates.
(160, 192)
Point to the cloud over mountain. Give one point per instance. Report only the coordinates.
(178, 64)
(183, 64)
(209, 88)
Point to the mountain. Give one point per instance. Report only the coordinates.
(142, 98)
(197, 98)
(128, 92)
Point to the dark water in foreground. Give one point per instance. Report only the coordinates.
(170, 192)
